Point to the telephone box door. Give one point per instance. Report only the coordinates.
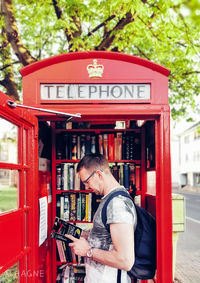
(18, 205)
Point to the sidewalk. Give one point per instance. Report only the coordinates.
(187, 267)
(187, 261)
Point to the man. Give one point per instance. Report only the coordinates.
(105, 252)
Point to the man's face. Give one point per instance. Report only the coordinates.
(91, 180)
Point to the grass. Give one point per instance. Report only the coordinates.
(8, 199)
(10, 275)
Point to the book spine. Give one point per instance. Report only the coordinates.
(72, 212)
(83, 200)
(131, 147)
(66, 207)
(86, 207)
(76, 178)
(82, 146)
(62, 207)
(111, 143)
(93, 144)
(101, 144)
(58, 206)
(132, 176)
(88, 144)
(74, 147)
(127, 142)
(66, 146)
(121, 173)
(60, 251)
(119, 136)
(58, 178)
(90, 208)
(126, 176)
(78, 147)
(105, 145)
(137, 177)
(65, 177)
(71, 176)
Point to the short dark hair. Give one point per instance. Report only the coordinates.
(93, 160)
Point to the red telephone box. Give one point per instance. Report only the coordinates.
(114, 93)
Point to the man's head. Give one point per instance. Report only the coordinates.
(93, 169)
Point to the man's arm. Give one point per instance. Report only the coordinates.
(121, 256)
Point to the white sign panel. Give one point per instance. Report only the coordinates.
(95, 92)
(43, 220)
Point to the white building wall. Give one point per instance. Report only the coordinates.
(189, 155)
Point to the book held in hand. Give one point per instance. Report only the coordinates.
(60, 228)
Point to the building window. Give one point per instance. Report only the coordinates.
(186, 139)
(196, 179)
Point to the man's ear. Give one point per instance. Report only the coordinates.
(100, 173)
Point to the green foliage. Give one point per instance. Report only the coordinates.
(164, 31)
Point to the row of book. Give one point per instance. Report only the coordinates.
(114, 146)
(71, 274)
(77, 206)
(127, 174)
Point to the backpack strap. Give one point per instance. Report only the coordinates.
(104, 209)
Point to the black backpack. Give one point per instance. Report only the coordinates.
(145, 241)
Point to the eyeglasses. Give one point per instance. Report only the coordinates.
(86, 181)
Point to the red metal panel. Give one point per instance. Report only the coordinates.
(11, 244)
(19, 228)
(163, 198)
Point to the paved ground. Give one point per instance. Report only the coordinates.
(188, 268)
(187, 261)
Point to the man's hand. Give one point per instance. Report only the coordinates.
(79, 246)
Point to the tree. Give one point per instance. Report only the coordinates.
(164, 31)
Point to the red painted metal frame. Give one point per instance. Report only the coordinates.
(19, 237)
(119, 68)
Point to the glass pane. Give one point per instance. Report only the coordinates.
(8, 142)
(10, 275)
(8, 189)
(25, 146)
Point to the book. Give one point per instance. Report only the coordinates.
(111, 146)
(58, 206)
(65, 176)
(58, 178)
(77, 179)
(72, 210)
(65, 146)
(132, 176)
(101, 144)
(137, 177)
(93, 144)
(74, 149)
(127, 146)
(71, 176)
(60, 228)
(66, 207)
(83, 200)
(105, 145)
(115, 172)
(88, 144)
(78, 147)
(126, 176)
(82, 145)
(118, 146)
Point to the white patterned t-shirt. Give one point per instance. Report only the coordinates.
(119, 210)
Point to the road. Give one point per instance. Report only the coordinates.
(188, 245)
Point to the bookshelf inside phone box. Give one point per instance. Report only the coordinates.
(123, 104)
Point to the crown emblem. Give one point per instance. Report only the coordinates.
(95, 70)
